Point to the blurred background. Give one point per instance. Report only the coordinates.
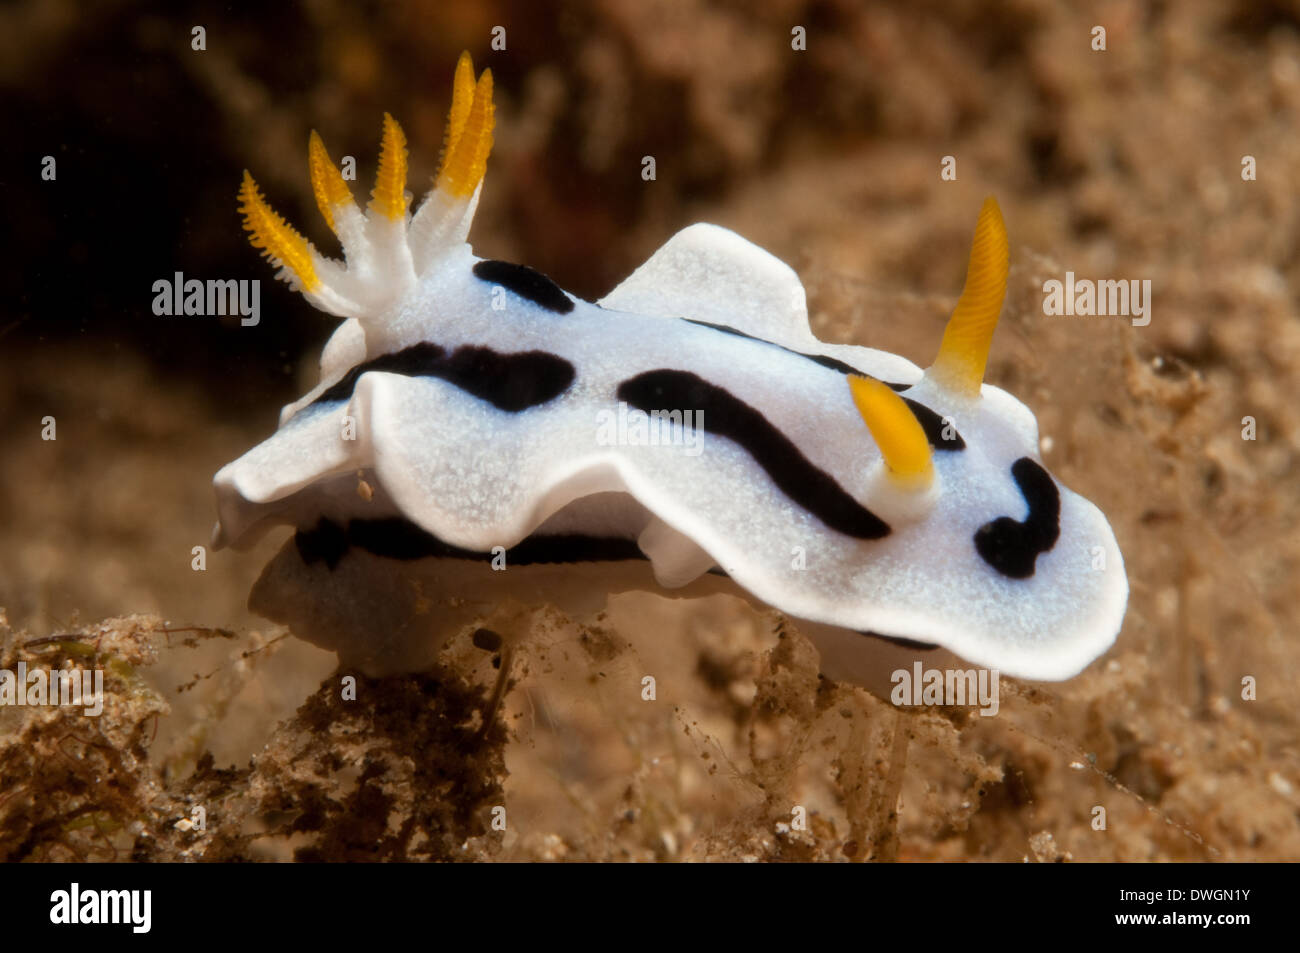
(1123, 163)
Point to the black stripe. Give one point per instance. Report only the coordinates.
(728, 416)
(512, 382)
(410, 361)
(930, 422)
(525, 282)
(1012, 547)
(934, 427)
(398, 538)
(823, 360)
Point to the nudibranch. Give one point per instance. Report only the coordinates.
(481, 438)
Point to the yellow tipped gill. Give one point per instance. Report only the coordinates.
(326, 180)
(269, 232)
(389, 196)
(964, 352)
(466, 160)
(462, 98)
(896, 431)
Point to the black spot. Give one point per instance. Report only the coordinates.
(512, 382)
(525, 282)
(398, 538)
(728, 416)
(1012, 547)
(934, 427)
(930, 422)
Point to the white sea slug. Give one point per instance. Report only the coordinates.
(481, 439)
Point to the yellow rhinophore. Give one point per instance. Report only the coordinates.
(278, 241)
(389, 195)
(964, 352)
(896, 431)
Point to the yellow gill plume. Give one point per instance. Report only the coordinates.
(384, 255)
(326, 182)
(443, 220)
(384, 268)
(278, 241)
(462, 98)
(389, 196)
(964, 351)
(341, 214)
(465, 163)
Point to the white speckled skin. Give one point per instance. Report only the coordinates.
(478, 477)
